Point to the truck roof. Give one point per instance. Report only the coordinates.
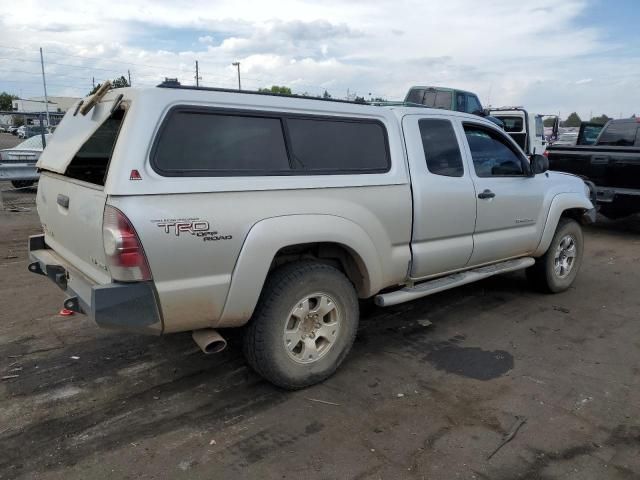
(444, 89)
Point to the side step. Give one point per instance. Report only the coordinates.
(445, 283)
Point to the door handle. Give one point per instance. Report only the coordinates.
(63, 201)
(486, 194)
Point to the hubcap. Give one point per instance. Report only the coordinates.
(311, 328)
(565, 256)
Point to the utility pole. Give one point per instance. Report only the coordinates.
(237, 64)
(93, 82)
(44, 84)
(198, 77)
(129, 73)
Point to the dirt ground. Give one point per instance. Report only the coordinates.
(413, 400)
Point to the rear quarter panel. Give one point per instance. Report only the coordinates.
(193, 270)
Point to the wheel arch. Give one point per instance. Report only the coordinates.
(568, 205)
(278, 240)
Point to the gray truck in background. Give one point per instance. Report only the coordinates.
(609, 157)
(176, 209)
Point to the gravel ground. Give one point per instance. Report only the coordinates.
(413, 400)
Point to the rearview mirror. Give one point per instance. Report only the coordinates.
(539, 164)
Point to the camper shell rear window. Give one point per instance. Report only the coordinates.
(201, 141)
(91, 162)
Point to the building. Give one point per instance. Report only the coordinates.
(30, 110)
(37, 104)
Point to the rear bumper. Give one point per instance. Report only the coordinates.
(121, 306)
(10, 171)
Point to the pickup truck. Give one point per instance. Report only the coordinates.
(525, 127)
(612, 163)
(448, 99)
(174, 209)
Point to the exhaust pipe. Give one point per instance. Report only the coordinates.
(209, 340)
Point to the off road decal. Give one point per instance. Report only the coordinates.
(196, 227)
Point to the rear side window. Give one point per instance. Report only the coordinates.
(443, 100)
(512, 124)
(415, 95)
(202, 142)
(441, 149)
(619, 134)
(91, 162)
(329, 145)
(539, 127)
(193, 143)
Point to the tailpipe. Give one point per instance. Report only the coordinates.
(209, 340)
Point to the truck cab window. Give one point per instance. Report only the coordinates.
(441, 149)
(492, 154)
(461, 102)
(473, 104)
(621, 134)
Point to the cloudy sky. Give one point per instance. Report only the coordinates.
(550, 55)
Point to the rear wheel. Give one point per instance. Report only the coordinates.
(22, 183)
(303, 326)
(556, 270)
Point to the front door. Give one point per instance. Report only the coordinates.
(510, 211)
(444, 202)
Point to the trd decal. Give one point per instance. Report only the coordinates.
(190, 226)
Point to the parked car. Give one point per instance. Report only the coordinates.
(524, 127)
(448, 99)
(183, 209)
(18, 164)
(612, 163)
(29, 131)
(13, 130)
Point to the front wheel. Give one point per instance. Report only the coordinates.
(303, 326)
(556, 270)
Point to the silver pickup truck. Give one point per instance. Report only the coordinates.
(183, 209)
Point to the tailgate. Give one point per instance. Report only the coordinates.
(71, 215)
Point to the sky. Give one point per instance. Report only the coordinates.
(548, 55)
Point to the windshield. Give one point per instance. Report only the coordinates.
(33, 143)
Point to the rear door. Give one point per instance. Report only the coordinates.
(444, 203)
(71, 195)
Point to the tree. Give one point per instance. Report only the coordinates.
(602, 119)
(549, 121)
(572, 120)
(359, 99)
(326, 94)
(6, 101)
(282, 90)
(119, 82)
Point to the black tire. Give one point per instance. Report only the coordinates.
(22, 183)
(285, 290)
(544, 275)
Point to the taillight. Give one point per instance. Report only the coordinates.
(125, 255)
(546, 153)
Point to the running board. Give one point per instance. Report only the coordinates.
(445, 283)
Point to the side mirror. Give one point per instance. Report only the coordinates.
(539, 164)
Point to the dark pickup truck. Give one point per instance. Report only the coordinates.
(612, 163)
